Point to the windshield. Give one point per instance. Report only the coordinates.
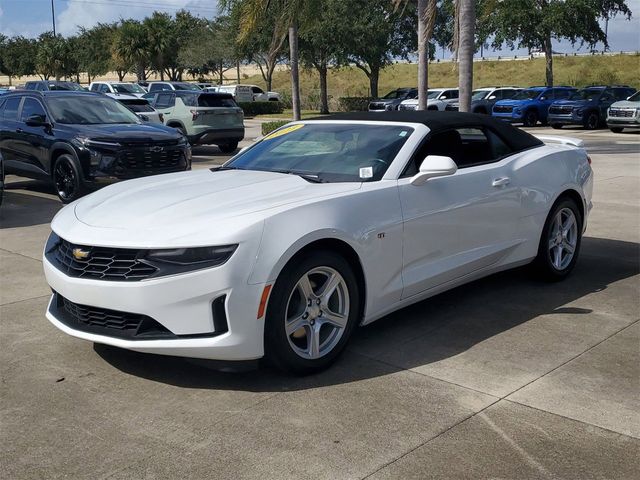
(480, 94)
(89, 110)
(434, 93)
(635, 97)
(186, 86)
(526, 95)
(66, 86)
(586, 94)
(327, 152)
(128, 88)
(139, 106)
(396, 94)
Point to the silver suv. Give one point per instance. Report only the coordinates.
(624, 114)
(203, 117)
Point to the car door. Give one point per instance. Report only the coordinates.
(33, 142)
(606, 99)
(164, 103)
(458, 224)
(8, 133)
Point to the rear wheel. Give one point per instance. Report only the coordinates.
(228, 147)
(530, 118)
(616, 129)
(313, 309)
(67, 179)
(592, 121)
(560, 241)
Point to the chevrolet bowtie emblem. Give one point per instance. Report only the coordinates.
(79, 254)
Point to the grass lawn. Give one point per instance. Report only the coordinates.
(575, 71)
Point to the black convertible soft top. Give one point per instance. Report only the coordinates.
(438, 121)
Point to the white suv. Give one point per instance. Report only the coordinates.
(437, 99)
(127, 88)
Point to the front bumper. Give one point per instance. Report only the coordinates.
(183, 304)
(566, 119)
(623, 122)
(512, 117)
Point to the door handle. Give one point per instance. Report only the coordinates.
(499, 182)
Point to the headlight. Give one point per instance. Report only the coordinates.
(183, 259)
(104, 159)
(388, 107)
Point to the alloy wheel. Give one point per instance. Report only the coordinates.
(563, 238)
(317, 312)
(64, 178)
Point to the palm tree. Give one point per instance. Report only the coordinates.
(464, 47)
(291, 14)
(426, 21)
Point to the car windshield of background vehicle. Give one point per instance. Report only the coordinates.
(480, 94)
(395, 94)
(526, 95)
(586, 95)
(66, 86)
(89, 110)
(327, 152)
(139, 106)
(187, 86)
(127, 88)
(434, 93)
(635, 97)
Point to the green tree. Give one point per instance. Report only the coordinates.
(131, 47)
(533, 24)
(94, 55)
(161, 37)
(53, 56)
(17, 57)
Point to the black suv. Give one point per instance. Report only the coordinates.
(81, 140)
(46, 85)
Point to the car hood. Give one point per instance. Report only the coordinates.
(386, 100)
(187, 200)
(513, 103)
(574, 103)
(124, 133)
(626, 104)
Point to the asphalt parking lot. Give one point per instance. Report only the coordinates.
(506, 377)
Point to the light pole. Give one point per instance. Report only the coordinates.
(53, 18)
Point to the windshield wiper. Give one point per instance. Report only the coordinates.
(308, 177)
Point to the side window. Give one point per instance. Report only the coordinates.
(30, 86)
(256, 90)
(621, 93)
(156, 87)
(451, 93)
(94, 87)
(31, 107)
(607, 96)
(499, 149)
(104, 88)
(40, 87)
(11, 108)
(165, 100)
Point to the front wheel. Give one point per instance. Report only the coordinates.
(228, 147)
(560, 241)
(592, 121)
(530, 118)
(313, 309)
(616, 129)
(67, 179)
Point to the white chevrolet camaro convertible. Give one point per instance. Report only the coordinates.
(321, 226)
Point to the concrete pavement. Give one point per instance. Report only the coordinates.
(502, 378)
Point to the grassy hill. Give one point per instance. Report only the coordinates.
(576, 71)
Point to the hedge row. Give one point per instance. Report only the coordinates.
(353, 104)
(269, 127)
(252, 109)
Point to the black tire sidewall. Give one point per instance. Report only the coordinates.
(530, 118)
(587, 123)
(79, 187)
(278, 352)
(228, 147)
(543, 260)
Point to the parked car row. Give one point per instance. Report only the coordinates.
(617, 106)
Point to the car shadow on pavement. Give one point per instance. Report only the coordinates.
(446, 325)
(22, 209)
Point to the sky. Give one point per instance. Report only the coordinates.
(29, 18)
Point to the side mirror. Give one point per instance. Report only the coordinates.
(434, 166)
(492, 97)
(37, 121)
(542, 99)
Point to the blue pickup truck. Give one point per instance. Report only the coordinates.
(530, 105)
(587, 107)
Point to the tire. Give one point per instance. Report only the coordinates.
(293, 350)
(556, 126)
(592, 121)
(530, 118)
(616, 129)
(67, 179)
(548, 265)
(228, 147)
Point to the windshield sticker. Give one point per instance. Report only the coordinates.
(366, 172)
(284, 131)
(403, 133)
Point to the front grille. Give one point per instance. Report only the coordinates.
(560, 109)
(376, 106)
(126, 325)
(622, 112)
(451, 107)
(149, 158)
(503, 109)
(101, 263)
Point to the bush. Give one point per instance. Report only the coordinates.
(252, 109)
(353, 104)
(269, 127)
